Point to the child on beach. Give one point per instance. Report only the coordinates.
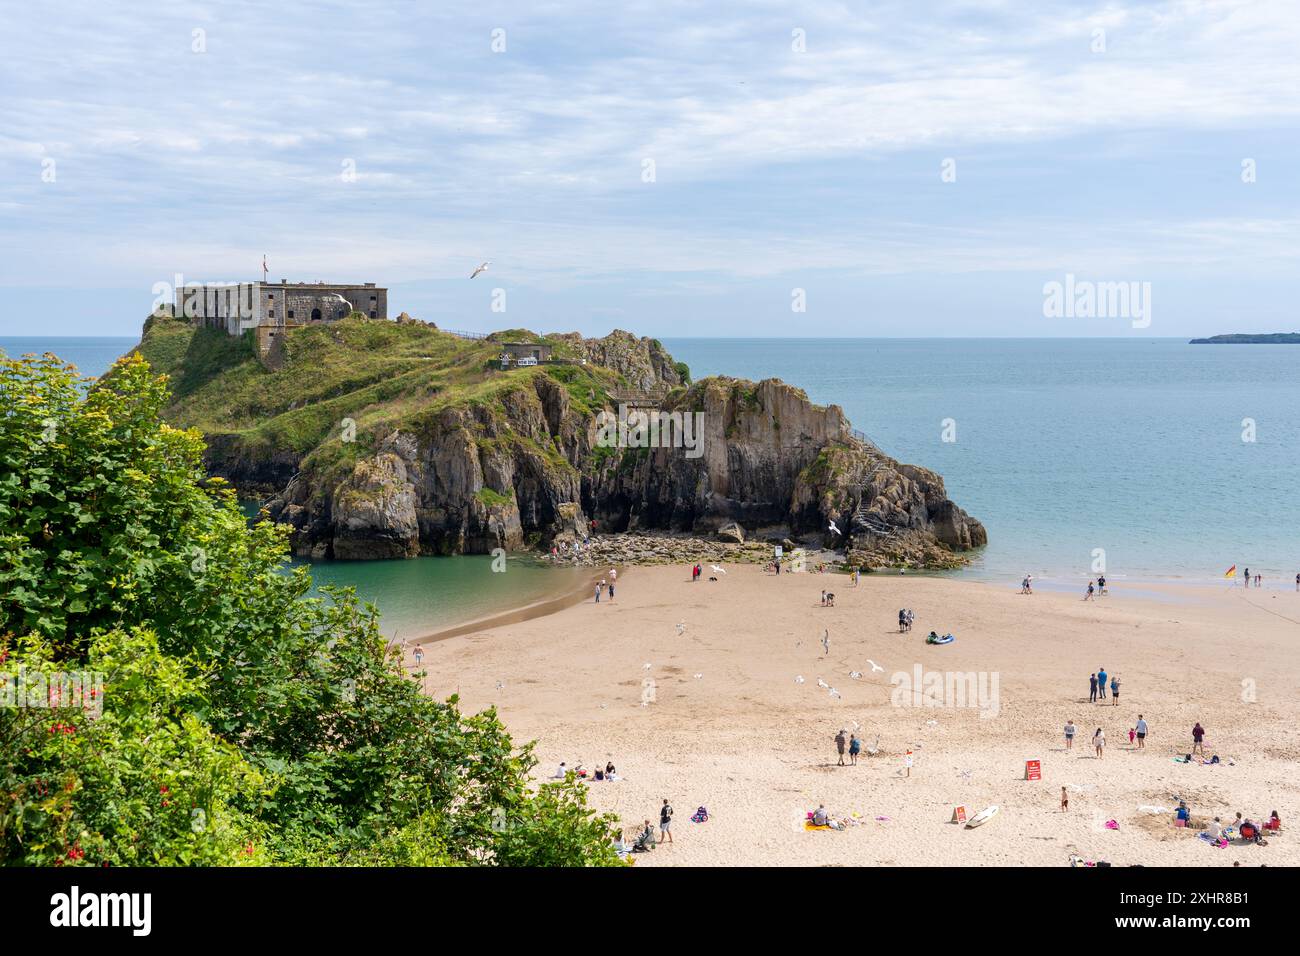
(1065, 800)
(1099, 741)
(1069, 735)
(1132, 736)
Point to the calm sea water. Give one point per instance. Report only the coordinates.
(1063, 446)
(1132, 446)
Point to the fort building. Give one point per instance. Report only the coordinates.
(270, 308)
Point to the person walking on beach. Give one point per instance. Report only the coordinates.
(666, 822)
(1141, 729)
(840, 740)
(1069, 734)
(855, 747)
(902, 620)
(1099, 741)
(1101, 683)
(1198, 739)
(1114, 681)
(1088, 596)
(1065, 800)
(1101, 585)
(611, 592)
(1297, 582)
(1092, 688)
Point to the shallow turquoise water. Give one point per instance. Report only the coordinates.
(1063, 446)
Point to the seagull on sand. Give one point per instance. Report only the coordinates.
(717, 570)
(822, 684)
(835, 529)
(856, 675)
(481, 268)
(798, 679)
(875, 668)
(835, 693)
(698, 676)
(681, 628)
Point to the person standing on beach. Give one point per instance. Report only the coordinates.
(840, 740)
(1198, 739)
(1069, 734)
(1141, 729)
(1114, 681)
(1101, 683)
(1092, 688)
(1065, 800)
(611, 592)
(600, 586)
(1101, 585)
(1297, 582)
(666, 822)
(1248, 577)
(1099, 741)
(855, 747)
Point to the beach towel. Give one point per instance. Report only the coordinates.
(1112, 825)
(809, 825)
(700, 816)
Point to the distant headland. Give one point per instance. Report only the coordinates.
(1240, 338)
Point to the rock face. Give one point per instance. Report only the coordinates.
(734, 460)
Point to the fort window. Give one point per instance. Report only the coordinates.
(271, 313)
(373, 313)
(291, 313)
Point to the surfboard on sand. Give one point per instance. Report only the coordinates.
(984, 816)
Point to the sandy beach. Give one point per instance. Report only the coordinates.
(718, 718)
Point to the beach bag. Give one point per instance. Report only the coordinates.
(700, 816)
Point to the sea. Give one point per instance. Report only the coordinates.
(1147, 459)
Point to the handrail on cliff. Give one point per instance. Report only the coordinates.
(460, 334)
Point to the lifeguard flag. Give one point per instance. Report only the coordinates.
(1231, 572)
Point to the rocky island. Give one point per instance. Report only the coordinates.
(378, 439)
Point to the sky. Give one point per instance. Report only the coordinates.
(675, 169)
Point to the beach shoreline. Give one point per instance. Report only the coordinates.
(718, 719)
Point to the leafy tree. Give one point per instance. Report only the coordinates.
(312, 740)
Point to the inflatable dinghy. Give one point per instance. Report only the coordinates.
(946, 639)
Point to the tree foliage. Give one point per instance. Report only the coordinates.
(243, 721)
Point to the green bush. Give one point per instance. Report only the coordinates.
(283, 718)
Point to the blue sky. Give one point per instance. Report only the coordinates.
(775, 168)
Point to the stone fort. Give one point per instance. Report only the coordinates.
(269, 308)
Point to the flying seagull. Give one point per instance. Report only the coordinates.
(835, 529)
(717, 569)
(835, 693)
(875, 668)
(481, 268)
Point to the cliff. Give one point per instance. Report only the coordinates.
(376, 440)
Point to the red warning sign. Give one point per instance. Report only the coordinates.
(1033, 770)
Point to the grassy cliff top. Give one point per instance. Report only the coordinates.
(379, 374)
